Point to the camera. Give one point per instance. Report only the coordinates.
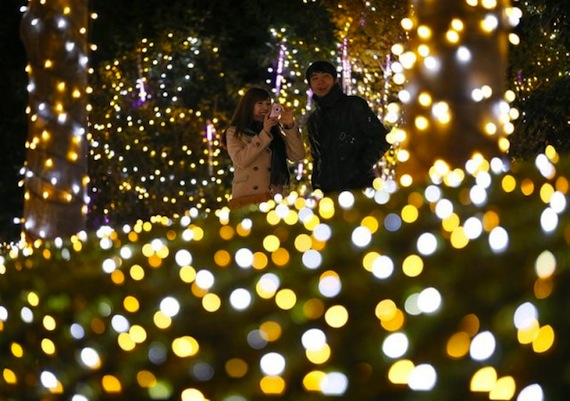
(276, 110)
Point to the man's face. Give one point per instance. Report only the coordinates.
(321, 83)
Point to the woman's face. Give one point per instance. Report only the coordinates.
(260, 109)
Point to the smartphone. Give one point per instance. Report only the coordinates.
(276, 110)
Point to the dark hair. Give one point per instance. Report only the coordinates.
(320, 66)
(243, 113)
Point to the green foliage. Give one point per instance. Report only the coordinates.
(540, 73)
(64, 301)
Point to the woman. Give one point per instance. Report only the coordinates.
(259, 146)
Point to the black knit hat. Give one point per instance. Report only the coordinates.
(320, 66)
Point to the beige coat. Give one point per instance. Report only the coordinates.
(251, 158)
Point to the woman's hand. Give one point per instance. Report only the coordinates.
(287, 118)
(268, 123)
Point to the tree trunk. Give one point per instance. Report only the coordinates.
(456, 88)
(54, 33)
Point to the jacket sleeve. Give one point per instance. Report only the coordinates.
(374, 143)
(295, 146)
(242, 152)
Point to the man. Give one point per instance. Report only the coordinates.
(347, 139)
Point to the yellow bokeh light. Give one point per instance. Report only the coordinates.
(545, 339)
(187, 274)
(222, 258)
(9, 376)
(271, 243)
(508, 183)
(312, 380)
(146, 379)
(318, 356)
(161, 320)
(274, 385)
(270, 331)
(458, 345)
(17, 350)
(400, 371)
(336, 316)
(504, 389)
(236, 368)
(326, 208)
(386, 310)
(126, 342)
(286, 299)
(396, 323)
(313, 308)
(413, 265)
(470, 324)
(211, 302)
(136, 272)
(185, 346)
(280, 257)
(111, 384)
(459, 239)
(484, 379)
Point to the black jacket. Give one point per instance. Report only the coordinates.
(347, 139)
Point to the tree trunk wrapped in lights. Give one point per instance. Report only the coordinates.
(454, 104)
(54, 33)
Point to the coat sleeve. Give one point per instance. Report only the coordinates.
(243, 152)
(295, 146)
(374, 143)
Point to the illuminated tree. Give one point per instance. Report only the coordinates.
(55, 36)
(155, 146)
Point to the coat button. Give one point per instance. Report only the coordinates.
(255, 168)
(255, 187)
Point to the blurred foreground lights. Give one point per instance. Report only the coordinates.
(427, 244)
(526, 315)
(49, 381)
(272, 364)
(170, 306)
(483, 346)
(330, 284)
(334, 383)
(191, 394)
(422, 378)
(395, 345)
(313, 339)
(429, 300)
(499, 239)
(545, 265)
(549, 220)
(361, 237)
(382, 267)
(90, 358)
(531, 393)
(240, 299)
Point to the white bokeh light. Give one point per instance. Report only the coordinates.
(313, 339)
(395, 345)
(429, 300)
(422, 378)
(240, 299)
(427, 244)
(482, 346)
(272, 364)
